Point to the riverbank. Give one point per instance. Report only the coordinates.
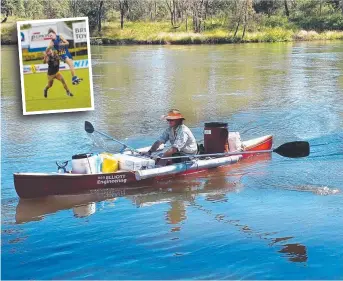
(164, 34)
(274, 35)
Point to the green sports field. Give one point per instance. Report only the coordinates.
(57, 99)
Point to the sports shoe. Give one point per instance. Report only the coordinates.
(76, 80)
(45, 93)
(70, 94)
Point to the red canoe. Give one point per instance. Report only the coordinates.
(34, 185)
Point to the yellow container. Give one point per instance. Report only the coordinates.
(109, 164)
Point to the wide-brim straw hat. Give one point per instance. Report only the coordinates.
(174, 115)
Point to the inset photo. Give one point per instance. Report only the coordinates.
(55, 65)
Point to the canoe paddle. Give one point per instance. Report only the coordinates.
(294, 149)
(90, 129)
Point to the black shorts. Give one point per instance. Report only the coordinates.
(53, 71)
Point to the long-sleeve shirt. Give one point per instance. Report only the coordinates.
(182, 139)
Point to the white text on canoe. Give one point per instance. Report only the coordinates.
(111, 179)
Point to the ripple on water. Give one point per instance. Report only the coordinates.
(319, 190)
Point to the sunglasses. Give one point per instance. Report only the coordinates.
(170, 120)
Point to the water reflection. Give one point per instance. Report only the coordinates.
(177, 213)
(295, 252)
(83, 205)
(84, 210)
(180, 194)
(214, 185)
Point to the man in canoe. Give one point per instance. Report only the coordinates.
(180, 137)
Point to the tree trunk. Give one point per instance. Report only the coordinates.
(245, 18)
(124, 8)
(206, 9)
(238, 24)
(245, 25)
(75, 8)
(121, 19)
(286, 9)
(99, 15)
(196, 22)
(186, 23)
(5, 19)
(171, 11)
(174, 13)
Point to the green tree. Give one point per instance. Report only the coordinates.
(34, 9)
(198, 10)
(7, 7)
(268, 7)
(57, 9)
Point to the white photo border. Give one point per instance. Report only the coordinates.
(19, 23)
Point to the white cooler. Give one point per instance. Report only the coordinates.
(84, 164)
(131, 163)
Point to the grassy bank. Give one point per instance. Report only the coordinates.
(9, 31)
(163, 33)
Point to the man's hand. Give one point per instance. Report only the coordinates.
(157, 159)
(170, 152)
(147, 154)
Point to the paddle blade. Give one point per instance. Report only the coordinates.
(89, 127)
(295, 149)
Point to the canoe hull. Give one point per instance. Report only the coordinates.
(34, 185)
(40, 185)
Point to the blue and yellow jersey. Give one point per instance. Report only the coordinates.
(62, 51)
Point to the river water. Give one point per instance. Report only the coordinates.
(267, 218)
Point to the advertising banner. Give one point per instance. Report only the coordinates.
(39, 37)
(80, 32)
(37, 68)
